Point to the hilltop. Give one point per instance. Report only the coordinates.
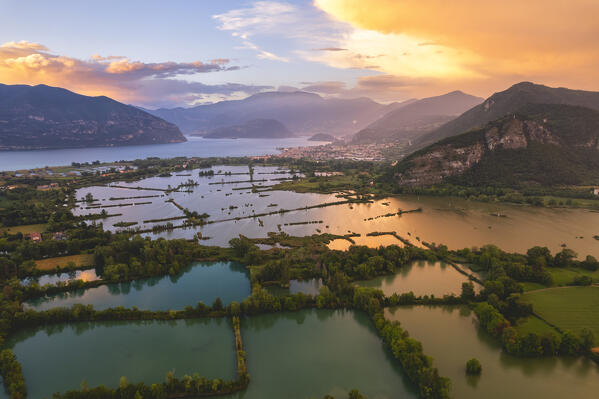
(37, 117)
(301, 112)
(254, 129)
(509, 101)
(546, 144)
(415, 118)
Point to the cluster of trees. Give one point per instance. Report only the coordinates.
(185, 387)
(12, 375)
(415, 363)
(532, 344)
(361, 262)
(125, 259)
(17, 254)
(27, 205)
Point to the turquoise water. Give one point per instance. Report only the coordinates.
(312, 353)
(309, 287)
(59, 358)
(199, 282)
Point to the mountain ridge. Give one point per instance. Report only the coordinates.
(412, 120)
(544, 144)
(40, 117)
(301, 112)
(508, 101)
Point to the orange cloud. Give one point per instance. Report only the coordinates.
(148, 84)
(493, 42)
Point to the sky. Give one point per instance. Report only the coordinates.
(187, 52)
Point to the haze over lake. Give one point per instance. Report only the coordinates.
(194, 147)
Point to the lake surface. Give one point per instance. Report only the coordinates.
(85, 275)
(308, 287)
(59, 358)
(451, 336)
(422, 278)
(457, 223)
(312, 353)
(194, 147)
(199, 282)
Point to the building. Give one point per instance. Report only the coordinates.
(36, 237)
(46, 187)
(59, 236)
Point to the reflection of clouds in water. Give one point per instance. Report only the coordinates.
(458, 223)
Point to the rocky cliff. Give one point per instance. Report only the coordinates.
(550, 144)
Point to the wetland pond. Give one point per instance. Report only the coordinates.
(451, 336)
(85, 275)
(58, 358)
(200, 281)
(312, 353)
(422, 278)
(231, 204)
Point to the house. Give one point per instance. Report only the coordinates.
(36, 237)
(59, 236)
(46, 187)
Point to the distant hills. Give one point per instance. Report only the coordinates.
(254, 129)
(547, 144)
(509, 101)
(301, 112)
(416, 118)
(323, 137)
(38, 117)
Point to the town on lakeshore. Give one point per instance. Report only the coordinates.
(301, 199)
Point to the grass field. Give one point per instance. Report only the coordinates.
(566, 276)
(569, 308)
(535, 325)
(25, 229)
(51, 263)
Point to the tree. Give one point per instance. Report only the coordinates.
(468, 293)
(473, 367)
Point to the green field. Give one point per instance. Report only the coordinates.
(569, 308)
(566, 276)
(535, 325)
(25, 229)
(61, 261)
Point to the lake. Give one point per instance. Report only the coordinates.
(194, 147)
(204, 282)
(451, 336)
(308, 287)
(422, 278)
(59, 358)
(311, 353)
(458, 223)
(85, 275)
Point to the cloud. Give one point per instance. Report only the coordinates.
(267, 18)
(146, 84)
(385, 88)
(330, 49)
(263, 54)
(485, 44)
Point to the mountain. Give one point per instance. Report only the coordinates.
(509, 101)
(416, 118)
(36, 117)
(301, 112)
(546, 144)
(254, 129)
